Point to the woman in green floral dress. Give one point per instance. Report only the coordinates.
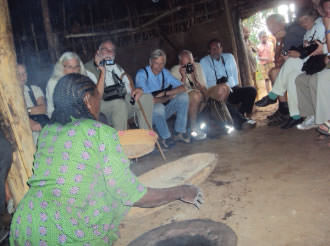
(82, 185)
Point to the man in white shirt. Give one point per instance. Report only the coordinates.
(119, 110)
(34, 100)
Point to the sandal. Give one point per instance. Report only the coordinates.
(327, 125)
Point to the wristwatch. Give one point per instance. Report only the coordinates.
(29, 110)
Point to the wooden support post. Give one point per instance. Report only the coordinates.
(51, 38)
(229, 18)
(243, 62)
(12, 108)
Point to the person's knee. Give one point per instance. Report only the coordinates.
(158, 111)
(183, 98)
(195, 97)
(120, 111)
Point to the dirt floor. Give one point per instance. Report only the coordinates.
(271, 186)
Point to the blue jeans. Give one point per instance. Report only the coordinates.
(161, 113)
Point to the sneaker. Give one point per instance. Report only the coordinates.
(182, 137)
(167, 143)
(198, 134)
(307, 124)
(248, 124)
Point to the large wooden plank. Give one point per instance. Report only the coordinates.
(12, 108)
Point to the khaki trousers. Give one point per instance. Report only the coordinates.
(313, 93)
(118, 111)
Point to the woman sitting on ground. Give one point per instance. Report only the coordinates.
(69, 62)
(82, 185)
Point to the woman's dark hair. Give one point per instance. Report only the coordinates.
(307, 12)
(322, 2)
(69, 96)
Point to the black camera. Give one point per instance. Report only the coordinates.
(189, 68)
(284, 52)
(222, 80)
(107, 62)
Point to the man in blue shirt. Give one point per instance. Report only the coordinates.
(170, 97)
(220, 69)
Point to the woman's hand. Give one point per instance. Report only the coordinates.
(319, 49)
(293, 53)
(191, 194)
(182, 71)
(35, 126)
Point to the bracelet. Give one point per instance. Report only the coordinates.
(327, 32)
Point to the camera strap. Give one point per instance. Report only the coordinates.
(163, 78)
(224, 65)
(32, 97)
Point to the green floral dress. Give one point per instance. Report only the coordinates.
(81, 189)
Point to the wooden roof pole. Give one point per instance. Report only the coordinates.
(13, 109)
(231, 33)
(51, 37)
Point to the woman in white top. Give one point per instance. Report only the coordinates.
(69, 62)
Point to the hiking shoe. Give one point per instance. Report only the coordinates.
(265, 101)
(198, 134)
(183, 137)
(167, 143)
(307, 124)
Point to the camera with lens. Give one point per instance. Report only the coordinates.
(189, 68)
(222, 80)
(107, 62)
(284, 52)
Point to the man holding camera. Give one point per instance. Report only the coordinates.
(117, 104)
(169, 97)
(193, 78)
(222, 76)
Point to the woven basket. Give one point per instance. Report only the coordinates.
(137, 142)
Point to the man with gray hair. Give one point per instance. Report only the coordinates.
(119, 108)
(192, 76)
(169, 98)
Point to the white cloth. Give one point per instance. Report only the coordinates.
(314, 95)
(50, 91)
(119, 71)
(37, 92)
(323, 97)
(318, 31)
(290, 70)
(175, 71)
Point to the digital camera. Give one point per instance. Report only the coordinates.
(107, 62)
(222, 80)
(189, 68)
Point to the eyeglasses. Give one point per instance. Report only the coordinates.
(71, 67)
